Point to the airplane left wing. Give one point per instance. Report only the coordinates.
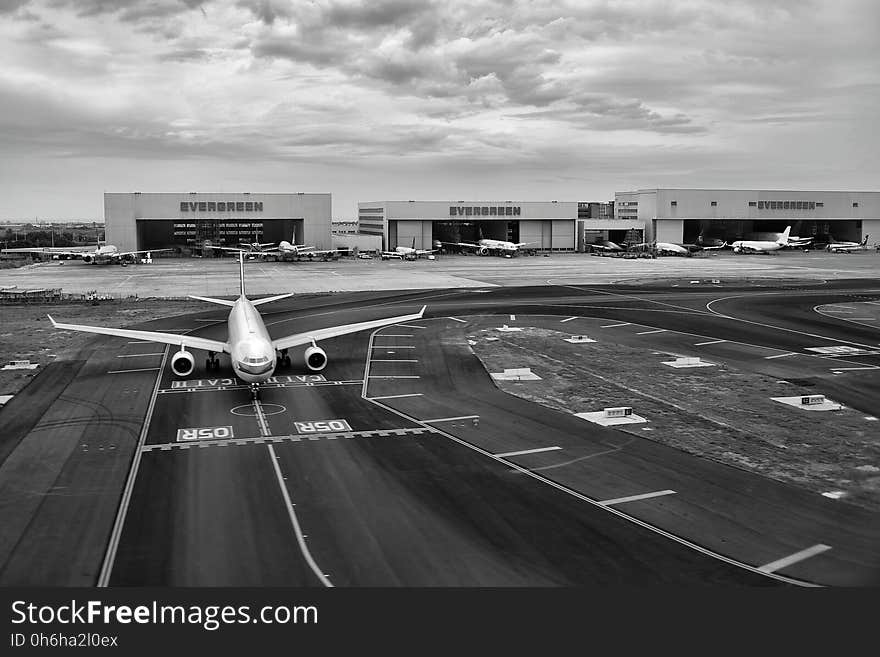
(152, 336)
(335, 331)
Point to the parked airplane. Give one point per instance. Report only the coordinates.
(407, 252)
(253, 353)
(761, 246)
(103, 254)
(493, 247)
(607, 246)
(848, 247)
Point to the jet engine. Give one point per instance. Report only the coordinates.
(87, 259)
(183, 363)
(316, 358)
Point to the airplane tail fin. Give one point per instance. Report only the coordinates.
(865, 241)
(241, 270)
(783, 239)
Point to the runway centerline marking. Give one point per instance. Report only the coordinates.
(450, 419)
(700, 344)
(633, 498)
(394, 360)
(654, 331)
(790, 353)
(392, 346)
(567, 320)
(616, 325)
(526, 451)
(261, 418)
(300, 537)
(779, 564)
(143, 369)
(391, 376)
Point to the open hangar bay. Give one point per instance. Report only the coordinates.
(374, 472)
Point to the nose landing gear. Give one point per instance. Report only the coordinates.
(255, 391)
(283, 359)
(212, 362)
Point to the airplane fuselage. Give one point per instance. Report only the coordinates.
(252, 355)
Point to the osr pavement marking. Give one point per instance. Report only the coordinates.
(526, 451)
(567, 320)
(700, 344)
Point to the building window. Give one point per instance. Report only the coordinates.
(819, 204)
(714, 203)
(855, 205)
(753, 204)
(673, 203)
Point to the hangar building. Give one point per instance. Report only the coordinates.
(682, 215)
(138, 221)
(550, 225)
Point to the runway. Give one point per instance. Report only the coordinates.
(374, 472)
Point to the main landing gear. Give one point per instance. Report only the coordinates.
(283, 359)
(212, 363)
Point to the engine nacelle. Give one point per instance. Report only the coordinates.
(483, 251)
(87, 259)
(183, 363)
(316, 358)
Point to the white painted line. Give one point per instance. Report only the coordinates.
(261, 418)
(790, 353)
(567, 320)
(779, 564)
(300, 537)
(374, 376)
(633, 498)
(392, 346)
(863, 319)
(140, 342)
(456, 319)
(700, 344)
(395, 335)
(409, 326)
(394, 360)
(450, 419)
(654, 331)
(410, 394)
(527, 451)
(160, 353)
(853, 369)
(616, 325)
(145, 369)
(122, 510)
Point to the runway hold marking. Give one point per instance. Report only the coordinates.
(790, 353)
(160, 353)
(292, 438)
(633, 498)
(654, 331)
(410, 394)
(143, 369)
(456, 319)
(450, 419)
(700, 344)
(205, 433)
(322, 426)
(300, 536)
(248, 410)
(567, 320)
(616, 325)
(779, 564)
(524, 451)
(229, 381)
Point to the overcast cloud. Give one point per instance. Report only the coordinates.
(392, 99)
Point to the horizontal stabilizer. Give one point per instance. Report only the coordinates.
(277, 297)
(221, 302)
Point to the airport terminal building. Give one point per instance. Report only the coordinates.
(682, 215)
(549, 225)
(140, 221)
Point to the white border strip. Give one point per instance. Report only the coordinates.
(528, 451)
(779, 564)
(634, 498)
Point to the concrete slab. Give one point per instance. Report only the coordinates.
(598, 417)
(827, 405)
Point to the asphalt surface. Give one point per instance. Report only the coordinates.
(410, 491)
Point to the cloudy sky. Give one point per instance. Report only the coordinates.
(397, 99)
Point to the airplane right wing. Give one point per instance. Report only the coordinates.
(298, 339)
(152, 336)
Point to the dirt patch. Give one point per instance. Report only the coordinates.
(721, 413)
